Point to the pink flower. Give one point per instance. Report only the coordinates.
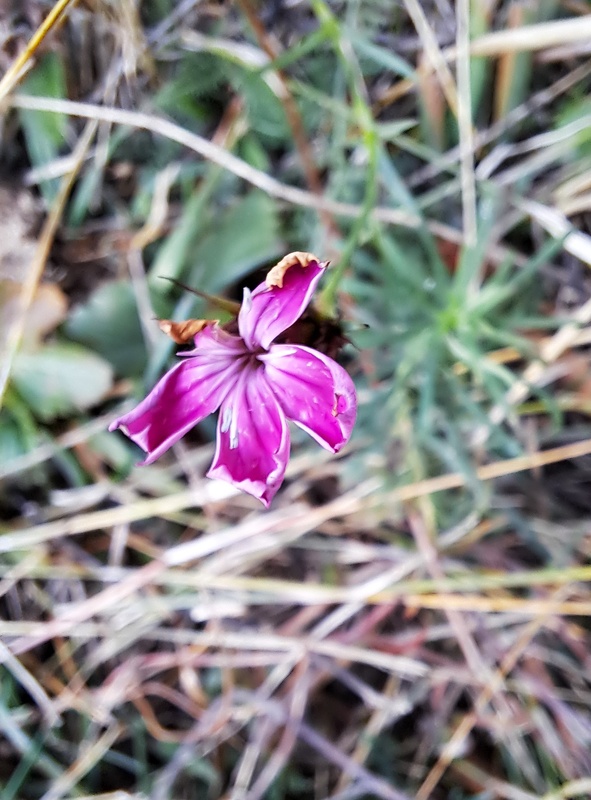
(256, 384)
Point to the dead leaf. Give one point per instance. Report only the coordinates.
(47, 311)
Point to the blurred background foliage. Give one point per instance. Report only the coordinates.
(450, 191)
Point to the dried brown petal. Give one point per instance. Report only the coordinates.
(183, 332)
(276, 273)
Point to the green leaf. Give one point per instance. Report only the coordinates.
(573, 110)
(246, 237)
(390, 131)
(109, 323)
(266, 116)
(11, 440)
(113, 450)
(380, 56)
(198, 78)
(174, 253)
(60, 379)
(45, 132)
(18, 428)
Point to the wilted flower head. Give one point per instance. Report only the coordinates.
(257, 385)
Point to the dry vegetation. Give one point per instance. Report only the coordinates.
(411, 618)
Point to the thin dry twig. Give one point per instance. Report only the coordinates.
(212, 152)
(20, 65)
(466, 131)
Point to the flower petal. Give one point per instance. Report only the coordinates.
(188, 393)
(267, 312)
(313, 391)
(253, 439)
(214, 342)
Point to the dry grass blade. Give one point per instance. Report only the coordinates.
(577, 788)
(531, 37)
(450, 602)
(142, 509)
(464, 114)
(435, 56)
(491, 471)
(470, 719)
(457, 592)
(18, 68)
(28, 682)
(279, 758)
(83, 764)
(485, 136)
(295, 647)
(540, 36)
(208, 492)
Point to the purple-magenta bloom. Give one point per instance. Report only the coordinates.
(256, 384)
